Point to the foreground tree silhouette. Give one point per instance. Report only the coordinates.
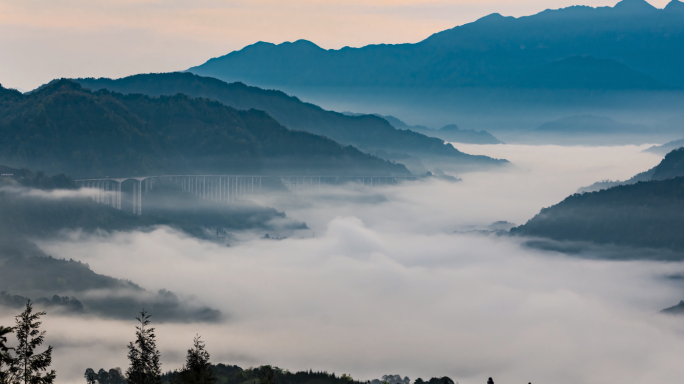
(28, 365)
(143, 354)
(266, 375)
(5, 357)
(90, 376)
(197, 369)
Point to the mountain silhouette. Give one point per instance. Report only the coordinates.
(645, 46)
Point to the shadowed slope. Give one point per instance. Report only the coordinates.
(367, 132)
(64, 128)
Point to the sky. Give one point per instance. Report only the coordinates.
(397, 285)
(41, 40)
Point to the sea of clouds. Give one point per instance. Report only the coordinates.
(394, 280)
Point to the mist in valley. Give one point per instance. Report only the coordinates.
(405, 279)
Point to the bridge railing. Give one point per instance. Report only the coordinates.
(223, 188)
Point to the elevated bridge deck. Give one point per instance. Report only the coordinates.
(226, 188)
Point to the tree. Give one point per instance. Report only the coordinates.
(90, 376)
(266, 375)
(102, 376)
(143, 354)
(116, 376)
(29, 365)
(6, 360)
(197, 369)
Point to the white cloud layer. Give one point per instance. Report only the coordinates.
(378, 288)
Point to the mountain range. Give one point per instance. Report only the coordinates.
(62, 127)
(369, 133)
(449, 132)
(632, 45)
(666, 148)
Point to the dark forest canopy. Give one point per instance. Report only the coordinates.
(632, 45)
(368, 132)
(64, 128)
(232, 374)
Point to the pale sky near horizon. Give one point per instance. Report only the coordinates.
(41, 40)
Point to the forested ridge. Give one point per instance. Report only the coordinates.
(63, 128)
(645, 214)
(368, 132)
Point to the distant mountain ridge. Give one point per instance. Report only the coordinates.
(632, 45)
(450, 132)
(588, 124)
(670, 167)
(666, 148)
(65, 128)
(367, 132)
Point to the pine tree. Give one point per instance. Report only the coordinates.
(6, 360)
(27, 364)
(143, 354)
(197, 369)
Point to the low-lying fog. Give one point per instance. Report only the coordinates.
(381, 284)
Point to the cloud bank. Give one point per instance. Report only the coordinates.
(384, 285)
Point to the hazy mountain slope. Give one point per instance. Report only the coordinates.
(452, 132)
(25, 270)
(449, 132)
(670, 167)
(640, 40)
(586, 72)
(588, 130)
(666, 148)
(605, 184)
(635, 212)
(367, 132)
(646, 214)
(588, 124)
(64, 128)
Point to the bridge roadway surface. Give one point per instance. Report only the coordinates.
(227, 188)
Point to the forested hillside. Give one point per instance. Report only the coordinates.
(367, 132)
(65, 128)
(645, 214)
